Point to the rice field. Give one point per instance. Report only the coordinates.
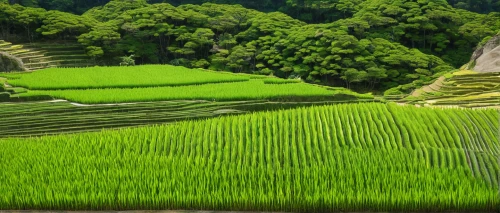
(464, 88)
(281, 81)
(99, 85)
(254, 89)
(49, 118)
(347, 157)
(118, 77)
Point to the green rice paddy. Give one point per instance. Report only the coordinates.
(348, 157)
(98, 85)
(237, 91)
(171, 138)
(118, 77)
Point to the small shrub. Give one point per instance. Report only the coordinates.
(127, 61)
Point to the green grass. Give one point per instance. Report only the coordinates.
(353, 157)
(118, 77)
(248, 90)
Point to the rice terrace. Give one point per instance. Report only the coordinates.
(249, 106)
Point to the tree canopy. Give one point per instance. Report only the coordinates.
(377, 44)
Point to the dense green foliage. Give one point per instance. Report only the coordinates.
(119, 77)
(368, 44)
(353, 157)
(317, 10)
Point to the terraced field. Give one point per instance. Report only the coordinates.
(46, 118)
(97, 85)
(164, 137)
(348, 157)
(37, 56)
(464, 89)
(118, 77)
(143, 95)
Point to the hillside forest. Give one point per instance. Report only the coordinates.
(366, 45)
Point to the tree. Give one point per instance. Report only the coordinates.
(352, 75)
(239, 58)
(65, 26)
(30, 18)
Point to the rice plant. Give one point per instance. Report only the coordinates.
(248, 90)
(315, 159)
(118, 77)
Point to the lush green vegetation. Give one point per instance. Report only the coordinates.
(353, 157)
(310, 10)
(201, 152)
(119, 77)
(281, 81)
(97, 85)
(360, 44)
(254, 89)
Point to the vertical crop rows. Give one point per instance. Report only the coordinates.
(356, 157)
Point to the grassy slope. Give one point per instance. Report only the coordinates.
(355, 157)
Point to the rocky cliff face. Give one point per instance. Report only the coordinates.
(9, 63)
(487, 58)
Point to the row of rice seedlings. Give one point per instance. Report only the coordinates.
(478, 141)
(118, 77)
(69, 118)
(281, 81)
(128, 175)
(443, 128)
(487, 130)
(307, 159)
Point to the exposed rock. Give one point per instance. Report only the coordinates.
(489, 61)
(487, 58)
(490, 45)
(9, 63)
